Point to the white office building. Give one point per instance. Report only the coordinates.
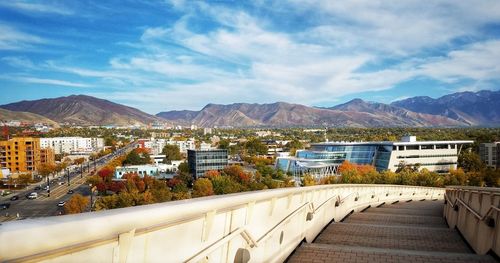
(323, 159)
(72, 145)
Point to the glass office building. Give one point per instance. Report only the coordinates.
(201, 161)
(323, 159)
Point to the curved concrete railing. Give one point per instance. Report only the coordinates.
(260, 226)
(474, 211)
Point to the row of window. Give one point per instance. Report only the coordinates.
(432, 164)
(424, 147)
(426, 156)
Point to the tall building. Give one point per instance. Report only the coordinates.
(490, 154)
(201, 161)
(23, 155)
(73, 145)
(323, 159)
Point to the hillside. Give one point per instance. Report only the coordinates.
(83, 110)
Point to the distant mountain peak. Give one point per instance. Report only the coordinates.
(83, 110)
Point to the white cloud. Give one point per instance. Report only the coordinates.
(13, 39)
(31, 7)
(244, 59)
(52, 82)
(478, 61)
(19, 62)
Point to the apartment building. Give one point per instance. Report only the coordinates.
(72, 145)
(23, 155)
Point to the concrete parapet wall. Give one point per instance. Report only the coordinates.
(260, 226)
(474, 211)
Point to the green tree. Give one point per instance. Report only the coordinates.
(171, 153)
(225, 185)
(470, 161)
(224, 144)
(255, 147)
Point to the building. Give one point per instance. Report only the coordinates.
(23, 155)
(73, 145)
(201, 161)
(159, 171)
(323, 159)
(490, 154)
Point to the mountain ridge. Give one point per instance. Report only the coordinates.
(83, 110)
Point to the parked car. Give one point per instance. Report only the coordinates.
(14, 198)
(33, 195)
(61, 183)
(61, 203)
(5, 206)
(70, 191)
(38, 188)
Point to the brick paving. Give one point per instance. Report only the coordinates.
(400, 232)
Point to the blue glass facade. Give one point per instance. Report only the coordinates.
(370, 154)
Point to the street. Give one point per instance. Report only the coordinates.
(45, 205)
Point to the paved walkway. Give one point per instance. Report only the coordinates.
(402, 232)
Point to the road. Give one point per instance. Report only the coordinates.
(46, 205)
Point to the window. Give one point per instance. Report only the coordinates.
(427, 147)
(412, 147)
(401, 148)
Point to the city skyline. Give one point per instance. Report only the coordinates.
(173, 55)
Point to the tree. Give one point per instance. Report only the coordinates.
(255, 147)
(202, 187)
(224, 144)
(45, 170)
(134, 158)
(211, 174)
(76, 204)
(171, 153)
(308, 180)
(225, 185)
(24, 179)
(183, 168)
(470, 162)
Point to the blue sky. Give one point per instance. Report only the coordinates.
(166, 55)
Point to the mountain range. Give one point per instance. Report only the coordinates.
(83, 110)
(473, 108)
(457, 109)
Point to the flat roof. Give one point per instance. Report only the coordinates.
(390, 143)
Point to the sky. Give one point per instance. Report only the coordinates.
(173, 55)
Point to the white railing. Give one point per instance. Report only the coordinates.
(260, 226)
(475, 212)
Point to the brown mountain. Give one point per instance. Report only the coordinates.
(476, 108)
(7, 115)
(354, 114)
(83, 110)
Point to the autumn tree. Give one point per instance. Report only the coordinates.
(24, 178)
(202, 187)
(76, 204)
(212, 174)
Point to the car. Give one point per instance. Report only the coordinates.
(61, 203)
(38, 188)
(70, 192)
(61, 183)
(14, 198)
(5, 206)
(33, 195)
